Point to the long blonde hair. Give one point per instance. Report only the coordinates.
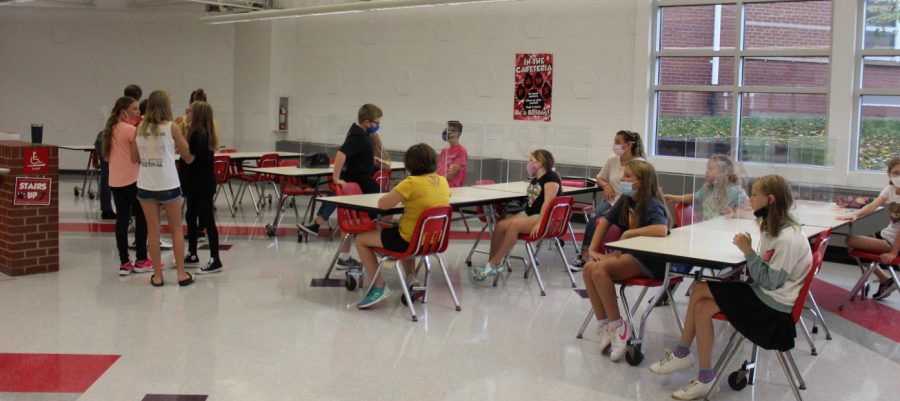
(778, 213)
(379, 150)
(726, 179)
(122, 104)
(646, 175)
(159, 110)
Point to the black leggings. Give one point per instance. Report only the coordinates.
(201, 205)
(126, 206)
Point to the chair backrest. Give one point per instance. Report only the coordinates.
(555, 222)
(267, 160)
(222, 168)
(807, 282)
(286, 180)
(95, 159)
(613, 234)
(821, 243)
(574, 183)
(383, 178)
(432, 231)
(288, 163)
(227, 150)
(350, 220)
(684, 214)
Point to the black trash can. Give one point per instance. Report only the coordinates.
(37, 133)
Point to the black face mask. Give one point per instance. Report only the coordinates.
(762, 212)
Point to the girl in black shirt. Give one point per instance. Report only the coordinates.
(199, 184)
(545, 185)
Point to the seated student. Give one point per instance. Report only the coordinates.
(421, 189)
(544, 187)
(721, 195)
(638, 212)
(453, 159)
(760, 310)
(886, 242)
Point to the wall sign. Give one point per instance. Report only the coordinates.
(35, 160)
(534, 87)
(32, 191)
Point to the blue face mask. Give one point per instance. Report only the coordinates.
(373, 129)
(627, 188)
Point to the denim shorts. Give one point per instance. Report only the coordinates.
(165, 196)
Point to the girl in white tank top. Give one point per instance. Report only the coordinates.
(157, 172)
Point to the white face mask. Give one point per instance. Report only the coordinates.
(619, 150)
(896, 181)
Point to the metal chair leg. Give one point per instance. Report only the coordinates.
(403, 285)
(859, 284)
(812, 346)
(449, 283)
(818, 312)
(787, 372)
(537, 274)
(796, 370)
(587, 320)
(565, 262)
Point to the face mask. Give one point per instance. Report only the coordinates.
(627, 188)
(373, 129)
(444, 136)
(762, 212)
(619, 150)
(896, 181)
(532, 168)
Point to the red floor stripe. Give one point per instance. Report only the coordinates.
(867, 313)
(51, 373)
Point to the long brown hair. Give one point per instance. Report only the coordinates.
(649, 189)
(379, 150)
(726, 179)
(159, 110)
(778, 213)
(121, 105)
(202, 123)
(637, 146)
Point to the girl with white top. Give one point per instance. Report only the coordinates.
(627, 146)
(760, 310)
(158, 184)
(885, 243)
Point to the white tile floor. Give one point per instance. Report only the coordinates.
(258, 331)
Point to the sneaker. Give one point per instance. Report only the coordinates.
(693, 390)
(671, 363)
(605, 339)
(480, 273)
(349, 263)
(191, 260)
(577, 265)
(885, 288)
(376, 295)
(108, 215)
(165, 245)
(126, 268)
(311, 229)
(618, 343)
(214, 266)
(143, 266)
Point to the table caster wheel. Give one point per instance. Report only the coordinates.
(737, 380)
(350, 283)
(270, 231)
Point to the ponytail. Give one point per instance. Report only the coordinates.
(121, 105)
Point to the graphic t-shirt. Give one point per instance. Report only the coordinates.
(536, 192)
(892, 202)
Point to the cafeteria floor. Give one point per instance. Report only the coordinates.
(258, 331)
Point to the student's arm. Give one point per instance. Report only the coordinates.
(688, 198)
(339, 160)
(768, 275)
(181, 145)
(594, 250)
(390, 199)
(550, 190)
(452, 171)
(865, 211)
(135, 155)
(655, 220)
(653, 230)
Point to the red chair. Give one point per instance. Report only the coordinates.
(666, 285)
(586, 209)
(222, 171)
(294, 186)
(861, 286)
(745, 375)
(227, 150)
(818, 247)
(383, 178)
(553, 226)
(684, 214)
(351, 223)
(256, 180)
(429, 239)
(92, 174)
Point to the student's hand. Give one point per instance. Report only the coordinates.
(887, 258)
(339, 182)
(627, 234)
(608, 194)
(595, 255)
(743, 242)
(535, 231)
(848, 217)
(669, 198)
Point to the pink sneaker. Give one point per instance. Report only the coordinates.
(143, 266)
(125, 269)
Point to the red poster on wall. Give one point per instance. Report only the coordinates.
(32, 191)
(35, 160)
(534, 87)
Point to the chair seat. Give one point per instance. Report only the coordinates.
(647, 282)
(293, 190)
(392, 254)
(720, 316)
(583, 207)
(369, 225)
(872, 257)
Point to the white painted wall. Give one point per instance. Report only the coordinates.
(66, 67)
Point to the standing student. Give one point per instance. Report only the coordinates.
(154, 148)
(627, 146)
(106, 212)
(421, 189)
(453, 159)
(639, 212)
(885, 243)
(545, 186)
(199, 184)
(117, 139)
(354, 162)
(760, 310)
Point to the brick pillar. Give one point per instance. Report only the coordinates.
(29, 234)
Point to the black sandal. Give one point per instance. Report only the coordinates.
(161, 283)
(187, 281)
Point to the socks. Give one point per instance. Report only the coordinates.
(614, 324)
(604, 323)
(706, 375)
(344, 255)
(682, 350)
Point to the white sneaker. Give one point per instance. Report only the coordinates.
(671, 363)
(618, 341)
(693, 390)
(603, 332)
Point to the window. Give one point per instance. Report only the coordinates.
(744, 77)
(878, 97)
